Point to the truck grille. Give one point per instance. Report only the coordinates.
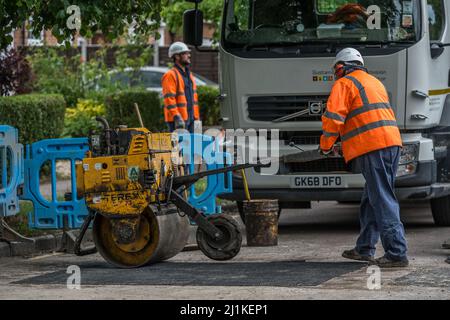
(329, 165)
(269, 108)
(323, 165)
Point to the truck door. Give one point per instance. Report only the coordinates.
(439, 89)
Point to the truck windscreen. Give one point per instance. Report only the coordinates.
(282, 22)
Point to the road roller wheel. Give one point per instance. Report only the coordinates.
(221, 249)
(157, 237)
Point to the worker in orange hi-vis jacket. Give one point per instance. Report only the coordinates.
(360, 115)
(181, 108)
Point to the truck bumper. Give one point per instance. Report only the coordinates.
(421, 185)
(406, 193)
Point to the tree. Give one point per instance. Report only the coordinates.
(112, 18)
(15, 73)
(173, 10)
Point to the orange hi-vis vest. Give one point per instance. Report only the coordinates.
(359, 112)
(175, 102)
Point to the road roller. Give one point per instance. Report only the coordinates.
(135, 188)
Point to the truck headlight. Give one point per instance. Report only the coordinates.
(408, 159)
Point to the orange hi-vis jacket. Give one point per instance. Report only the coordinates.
(359, 112)
(175, 102)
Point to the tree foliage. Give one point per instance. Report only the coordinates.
(15, 73)
(112, 18)
(173, 10)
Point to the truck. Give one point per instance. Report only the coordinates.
(276, 59)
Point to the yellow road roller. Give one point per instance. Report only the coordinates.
(134, 186)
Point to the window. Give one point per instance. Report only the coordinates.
(32, 40)
(436, 20)
(329, 6)
(252, 23)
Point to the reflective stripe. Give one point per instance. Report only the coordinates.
(330, 134)
(170, 107)
(334, 116)
(181, 105)
(367, 108)
(367, 127)
(362, 91)
(173, 95)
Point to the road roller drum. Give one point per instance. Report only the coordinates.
(159, 237)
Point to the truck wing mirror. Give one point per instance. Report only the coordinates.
(437, 49)
(193, 27)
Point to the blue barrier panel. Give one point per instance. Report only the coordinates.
(50, 213)
(11, 170)
(205, 147)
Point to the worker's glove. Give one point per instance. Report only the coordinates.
(179, 123)
(325, 153)
(335, 151)
(198, 126)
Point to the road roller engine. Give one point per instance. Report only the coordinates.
(135, 188)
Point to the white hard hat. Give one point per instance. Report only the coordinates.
(178, 47)
(347, 55)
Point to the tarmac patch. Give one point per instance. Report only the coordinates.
(276, 273)
(438, 277)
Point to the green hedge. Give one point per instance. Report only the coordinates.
(120, 109)
(37, 116)
(209, 105)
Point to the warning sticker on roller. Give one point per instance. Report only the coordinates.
(133, 173)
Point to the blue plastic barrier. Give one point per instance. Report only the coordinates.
(50, 214)
(205, 147)
(53, 213)
(11, 170)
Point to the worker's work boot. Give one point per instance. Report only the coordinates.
(446, 244)
(354, 255)
(384, 262)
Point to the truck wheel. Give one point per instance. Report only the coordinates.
(440, 208)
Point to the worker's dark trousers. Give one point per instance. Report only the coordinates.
(380, 211)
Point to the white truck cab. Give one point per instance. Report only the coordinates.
(276, 59)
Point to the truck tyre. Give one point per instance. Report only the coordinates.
(440, 208)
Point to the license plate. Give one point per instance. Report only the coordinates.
(318, 182)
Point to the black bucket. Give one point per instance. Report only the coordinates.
(261, 222)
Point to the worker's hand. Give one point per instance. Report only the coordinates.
(179, 123)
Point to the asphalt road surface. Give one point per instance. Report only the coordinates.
(306, 264)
